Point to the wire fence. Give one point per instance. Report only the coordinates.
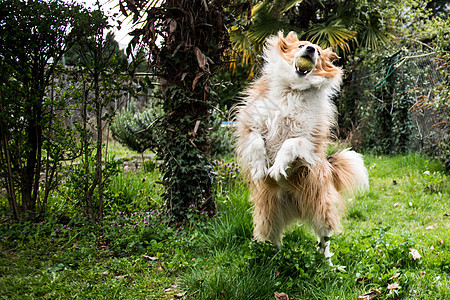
(394, 105)
(427, 119)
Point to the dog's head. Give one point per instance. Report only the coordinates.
(300, 61)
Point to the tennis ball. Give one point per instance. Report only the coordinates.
(304, 64)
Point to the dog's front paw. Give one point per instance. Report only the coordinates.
(278, 170)
(258, 172)
(309, 159)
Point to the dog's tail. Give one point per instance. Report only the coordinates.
(349, 173)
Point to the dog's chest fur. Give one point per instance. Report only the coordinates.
(292, 114)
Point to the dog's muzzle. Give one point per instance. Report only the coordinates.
(306, 62)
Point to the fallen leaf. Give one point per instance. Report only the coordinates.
(367, 296)
(393, 286)
(394, 277)
(431, 227)
(152, 258)
(180, 295)
(363, 279)
(415, 254)
(124, 276)
(281, 296)
(375, 291)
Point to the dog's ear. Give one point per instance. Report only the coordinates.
(325, 66)
(328, 53)
(284, 44)
(281, 43)
(292, 37)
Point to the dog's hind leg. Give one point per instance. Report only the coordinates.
(324, 245)
(267, 214)
(327, 220)
(323, 241)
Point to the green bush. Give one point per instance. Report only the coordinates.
(133, 128)
(221, 135)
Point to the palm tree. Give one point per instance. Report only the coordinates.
(248, 36)
(343, 25)
(186, 39)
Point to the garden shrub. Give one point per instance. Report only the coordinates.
(132, 127)
(221, 135)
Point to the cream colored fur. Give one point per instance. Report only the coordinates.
(283, 126)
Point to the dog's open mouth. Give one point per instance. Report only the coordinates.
(301, 73)
(304, 65)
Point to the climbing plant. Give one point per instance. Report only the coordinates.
(187, 39)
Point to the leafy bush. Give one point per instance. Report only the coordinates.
(395, 99)
(438, 143)
(132, 191)
(82, 176)
(133, 128)
(221, 135)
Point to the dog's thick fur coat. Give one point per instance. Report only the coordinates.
(283, 129)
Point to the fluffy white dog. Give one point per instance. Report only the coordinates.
(283, 129)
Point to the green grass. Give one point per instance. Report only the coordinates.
(138, 255)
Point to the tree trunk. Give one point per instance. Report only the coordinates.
(89, 212)
(11, 192)
(194, 38)
(31, 172)
(98, 173)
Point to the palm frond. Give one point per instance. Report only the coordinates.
(370, 32)
(265, 21)
(332, 35)
(263, 26)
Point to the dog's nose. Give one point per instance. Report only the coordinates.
(310, 49)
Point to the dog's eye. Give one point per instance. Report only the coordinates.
(301, 46)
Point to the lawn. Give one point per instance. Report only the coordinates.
(394, 244)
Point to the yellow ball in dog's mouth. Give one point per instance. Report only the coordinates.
(304, 64)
